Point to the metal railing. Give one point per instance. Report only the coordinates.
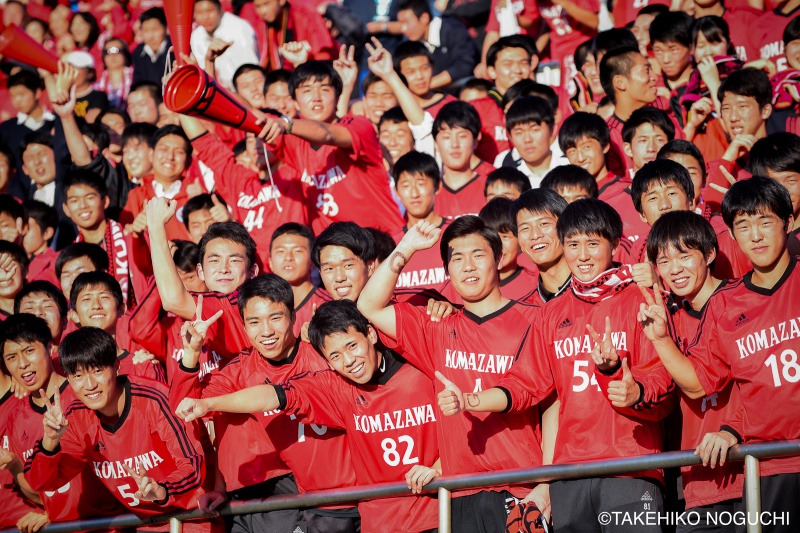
(749, 453)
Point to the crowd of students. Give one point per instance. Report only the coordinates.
(410, 272)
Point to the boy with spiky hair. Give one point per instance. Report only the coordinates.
(365, 381)
(611, 381)
(727, 348)
(120, 431)
(683, 246)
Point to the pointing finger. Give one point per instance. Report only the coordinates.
(446, 382)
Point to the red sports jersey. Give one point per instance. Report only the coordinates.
(425, 270)
(768, 35)
(617, 161)
(616, 192)
(519, 284)
(751, 335)
(741, 21)
(226, 336)
(625, 11)
(343, 182)
(434, 108)
(474, 353)
(556, 354)
(390, 424)
(148, 435)
(116, 244)
(318, 456)
(64, 500)
(566, 33)
(522, 8)
(148, 369)
(43, 266)
(256, 204)
(305, 309)
(703, 485)
(468, 199)
(494, 137)
(13, 504)
(730, 262)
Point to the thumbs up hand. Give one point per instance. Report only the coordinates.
(625, 392)
(219, 212)
(451, 400)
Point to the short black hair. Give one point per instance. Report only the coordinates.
(197, 203)
(779, 152)
(41, 286)
(611, 39)
(530, 109)
(589, 216)
(126, 118)
(186, 255)
(682, 230)
(792, 31)
(478, 84)
(537, 201)
(86, 178)
(648, 115)
(511, 41)
(139, 131)
(672, 27)
(580, 125)
(749, 82)
(150, 88)
(335, 317)
(94, 279)
(384, 243)
(662, 172)
(277, 76)
(315, 71)
(24, 327)
(293, 228)
(26, 78)
(86, 349)
(44, 215)
(156, 13)
(510, 176)
(754, 196)
(173, 129)
(76, 250)
(10, 158)
(394, 115)
(418, 7)
(616, 62)
(11, 207)
(567, 176)
(244, 69)
(231, 231)
(469, 225)
(714, 29)
(582, 52)
(96, 132)
(457, 115)
(267, 286)
(653, 9)
(41, 137)
(418, 163)
(497, 215)
(530, 88)
(347, 235)
(409, 49)
(18, 254)
(683, 147)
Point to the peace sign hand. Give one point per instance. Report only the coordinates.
(194, 333)
(54, 421)
(149, 490)
(652, 315)
(604, 354)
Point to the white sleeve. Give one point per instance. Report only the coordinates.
(423, 140)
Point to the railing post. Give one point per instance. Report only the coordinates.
(444, 510)
(175, 526)
(752, 490)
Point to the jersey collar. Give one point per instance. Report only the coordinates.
(391, 363)
(112, 428)
(42, 409)
(483, 319)
(748, 280)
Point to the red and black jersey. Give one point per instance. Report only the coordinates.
(474, 353)
(226, 337)
(148, 369)
(434, 108)
(730, 262)
(305, 309)
(13, 504)
(768, 35)
(751, 335)
(625, 11)
(741, 21)
(425, 270)
(556, 354)
(43, 266)
(343, 182)
(494, 136)
(390, 424)
(64, 499)
(519, 284)
(467, 199)
(616, 192)
(260, 206)
(703, 485)
(147, 436)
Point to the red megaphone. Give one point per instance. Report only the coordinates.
(179, 22)
(190, 91)
(19, 46)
